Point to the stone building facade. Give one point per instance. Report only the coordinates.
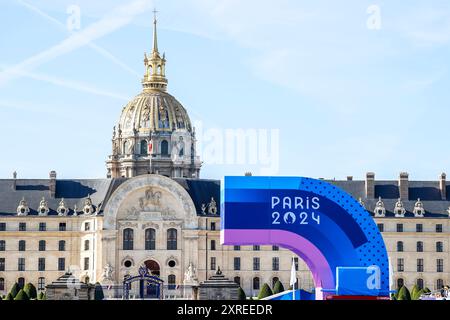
(153, 210)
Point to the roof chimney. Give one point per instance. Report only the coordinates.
(370, 185)
(52, 185)
(403, 185)
(14, 184)
(442, 186)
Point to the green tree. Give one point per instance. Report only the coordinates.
(278, 287)
(30, 290)
(98, 292)
(9, 297)
(14, 290)
(241, 294)
(403, 294)
(21, 295)
(40, 296)
(414, 292)
(426, 290)
(265, 291)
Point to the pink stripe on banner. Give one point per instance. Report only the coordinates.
(322, 274)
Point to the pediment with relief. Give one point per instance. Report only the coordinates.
(150, 204)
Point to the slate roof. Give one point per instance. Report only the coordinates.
(428, 192)
(76, 191)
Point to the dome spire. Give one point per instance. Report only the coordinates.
(155, 65)
(155, 35)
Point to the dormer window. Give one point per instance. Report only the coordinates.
(399, 209)
(419, 210)
(43, 208)
(62, 208)
(23, 209)
(88, 208)
(380, 210)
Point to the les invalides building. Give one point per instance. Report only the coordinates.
(154, 214)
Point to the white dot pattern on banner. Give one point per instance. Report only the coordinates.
(374, 251)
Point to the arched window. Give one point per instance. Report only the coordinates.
(21, 282)
(181, 152)
(171, 281)
(62, 245)
(150, 239)
(22, 245)
(164, 148)
(274, 280)
(2, 284)
(86, 245)
(172, 239)
(41, 283)
(42, 245)
(255, 283)
(400, 246)
(159, 70)
(128, 238)
(419, 283)
(419, 246)
(400, 283)
(125, 147)
(439, 284)
(2, 245)
(237, 280)
(144, 147)
(439, 246)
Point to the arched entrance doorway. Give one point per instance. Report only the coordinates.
(153, 267)
(325, 226)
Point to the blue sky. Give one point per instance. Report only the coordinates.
(346, 99)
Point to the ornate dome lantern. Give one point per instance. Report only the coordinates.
(151, 127)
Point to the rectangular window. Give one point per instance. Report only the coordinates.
(213, 226)
(2, 226)
(419, 227)
(87, 226)
(22, 226)
(42, 245)
(41, 264)
(62, 245)
(380, 227)
(419, 265)
(41, 283)
(400, 265)
(42, 226)
(296, 263)
(2, 284)
(62, 226)
(61, 264)
(439, 246)
(256, 264)
(2, 245)
(2, 264)
(256, 248)
(21, 264)
(440, 265)
(86, 263)
(237, 263)
(399, 227)
(22, 245)
(439, 228)
(275, 263)
(275, 248)
(237, 248)
(213, 245)
(213, 263)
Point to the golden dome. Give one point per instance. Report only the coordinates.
(153, 111)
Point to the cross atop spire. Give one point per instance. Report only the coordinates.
(155, 35)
